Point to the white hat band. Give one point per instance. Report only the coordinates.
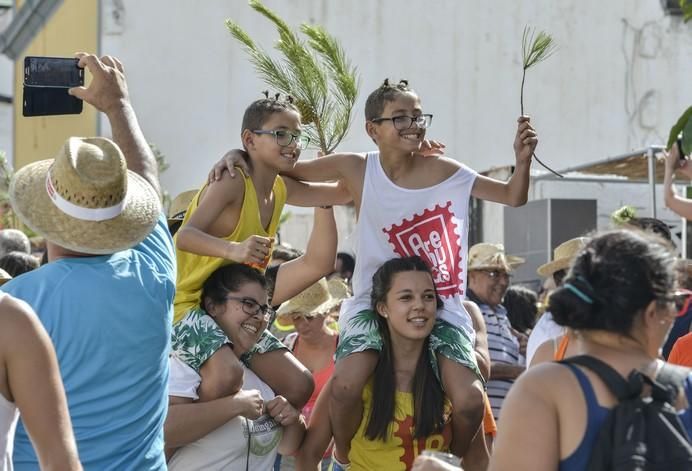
(80, 212)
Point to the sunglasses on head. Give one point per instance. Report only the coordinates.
(681, 298)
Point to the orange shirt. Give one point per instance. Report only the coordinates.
(681, 354)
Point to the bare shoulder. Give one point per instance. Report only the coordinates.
(544, 353)
(349, 161)
(440, 166)
(18, 322)
(474, 311)
(448, 162)
(351, 157)
(227, 188)
(548, 380)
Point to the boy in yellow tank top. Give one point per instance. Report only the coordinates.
(235, 220)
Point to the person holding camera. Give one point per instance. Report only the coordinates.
(105, 296)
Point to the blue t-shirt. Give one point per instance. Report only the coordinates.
(109, 318)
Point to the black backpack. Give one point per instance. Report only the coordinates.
(641, 433)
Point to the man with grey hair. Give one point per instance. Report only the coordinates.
(13, 240)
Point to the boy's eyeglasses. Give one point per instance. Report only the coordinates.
(286, 138)
(252, 307)
(405, 122)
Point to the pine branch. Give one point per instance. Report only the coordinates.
(285, 32)
(316, 73)
(535, 48)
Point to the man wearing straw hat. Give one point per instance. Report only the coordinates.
(105, 296)
(177, 210)
(489, 272)
(546, 329)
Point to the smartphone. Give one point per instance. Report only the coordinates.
(46, 81)
(48, 101)
(59, 72)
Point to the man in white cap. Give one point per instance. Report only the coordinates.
(105, 296)
(489, 273)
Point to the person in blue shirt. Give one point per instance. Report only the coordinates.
(105, 296)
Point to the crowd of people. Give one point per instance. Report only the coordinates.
(193, 340)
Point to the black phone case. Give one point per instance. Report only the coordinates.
(47, 101)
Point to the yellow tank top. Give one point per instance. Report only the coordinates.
(194, 269)
(401, 449)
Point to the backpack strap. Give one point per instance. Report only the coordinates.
(619, 386)
(671, 378)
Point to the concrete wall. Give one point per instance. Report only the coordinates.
(6, 80)
(617, 82)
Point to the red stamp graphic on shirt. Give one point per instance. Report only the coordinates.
(435, 237)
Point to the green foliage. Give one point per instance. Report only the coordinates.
(536, 47)
(682, 126)
(686, 6)
(623, 215)
(686, 140)
(316, 73)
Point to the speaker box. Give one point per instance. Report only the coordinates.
(532, 231)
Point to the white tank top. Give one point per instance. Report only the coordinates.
(399, 222)
(8, 422)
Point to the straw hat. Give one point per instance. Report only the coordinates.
(4, 277)
(85, 199)
(486, 256)
(339, 290)
(562, 256)
(313, 301)
(179, 205)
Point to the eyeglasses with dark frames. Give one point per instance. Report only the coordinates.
(252, 307)
(423, 121)
(286, 138)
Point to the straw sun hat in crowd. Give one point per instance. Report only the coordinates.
(319, 299)
(179, 205)
(485, 256)
(562, 256)
(4, 277)
(86, 200)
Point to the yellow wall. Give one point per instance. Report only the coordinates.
(72, 28)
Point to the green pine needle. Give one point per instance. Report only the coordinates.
(536, 47)
(316, 73)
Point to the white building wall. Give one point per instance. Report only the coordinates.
(617, 82)
(6, 81)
